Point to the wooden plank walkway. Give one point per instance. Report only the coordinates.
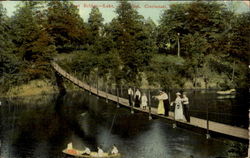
(196, 122)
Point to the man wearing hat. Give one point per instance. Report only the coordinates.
(185, 103)
(130, 96)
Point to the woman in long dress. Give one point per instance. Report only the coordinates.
(178, 112)
(160, 109)
(137, 98)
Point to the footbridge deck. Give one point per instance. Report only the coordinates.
(216, 127)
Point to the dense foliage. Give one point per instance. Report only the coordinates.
(196, 44)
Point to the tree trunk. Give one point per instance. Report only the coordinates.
(233, 71)
(178, 47)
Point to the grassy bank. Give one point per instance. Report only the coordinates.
(35, 87)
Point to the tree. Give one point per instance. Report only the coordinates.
(166, 71)
(128, 32)
(240, 38)
(95, 23)
(205, 28)
(95, 26)
(108, 68)
(8, 61)
(172, 22)
(208, 20)
(237, 49)
(33, 44)
(65, 25)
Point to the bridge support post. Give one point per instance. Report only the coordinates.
(89, 87)
(117, 93)
(249, 133)
(97, 90)
(132, 107)
(207, 135)
(121, 91)
(149, 102)
(107, 95)
(59, 81)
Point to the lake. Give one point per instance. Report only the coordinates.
(42, 126)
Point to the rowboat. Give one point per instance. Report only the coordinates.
(79, 153)
(229, 96)
(227, 92)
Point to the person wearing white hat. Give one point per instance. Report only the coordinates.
(178, 110)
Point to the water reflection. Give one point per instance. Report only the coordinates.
(43, 130)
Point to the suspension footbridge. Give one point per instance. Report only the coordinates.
(205, 125)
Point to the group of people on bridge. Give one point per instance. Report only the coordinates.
(181, 103)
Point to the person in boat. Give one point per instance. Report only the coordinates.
(144, 101)
(185, 103)
(70, 145)
(100, 152)
(114, 150)
(86, 151)
(178, 110)
(160, 109)
(70, 148)
(130, 96)
(137, 98)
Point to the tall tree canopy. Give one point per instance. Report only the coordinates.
(132, 41)
(204, 28)
(95, 22)
(8, 60)
(33, 44)
(65, 25)
(95, 33)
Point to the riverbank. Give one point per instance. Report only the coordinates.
(35, 87)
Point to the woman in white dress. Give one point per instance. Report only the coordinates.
(178, 111)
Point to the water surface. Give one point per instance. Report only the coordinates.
(41, 126)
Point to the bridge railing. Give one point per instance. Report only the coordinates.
(203, 104)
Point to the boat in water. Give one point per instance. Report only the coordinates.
(227, 92)
(79, 153)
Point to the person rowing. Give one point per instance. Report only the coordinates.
(100, 152)
(86, 151)
(114, 150)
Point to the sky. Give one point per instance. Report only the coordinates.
(152, 9)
